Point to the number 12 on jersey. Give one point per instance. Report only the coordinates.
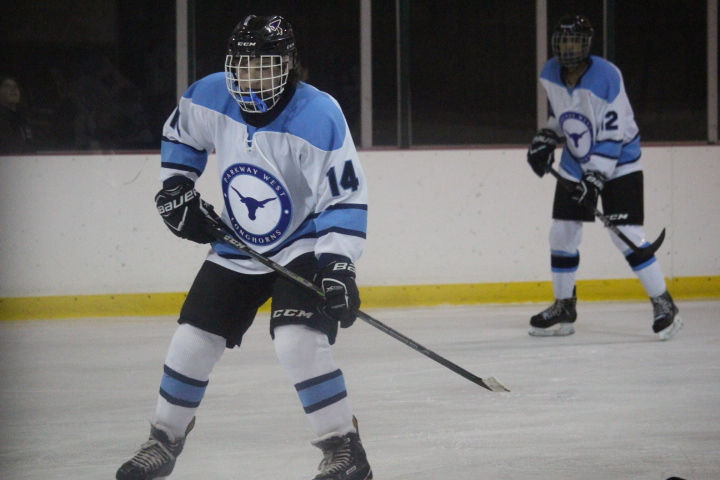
(348, 179)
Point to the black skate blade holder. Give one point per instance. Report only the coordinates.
(644, 253)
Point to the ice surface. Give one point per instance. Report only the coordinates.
(609, 402)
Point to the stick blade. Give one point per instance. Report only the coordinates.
(649, 251)
(656, 244)
(492, 384)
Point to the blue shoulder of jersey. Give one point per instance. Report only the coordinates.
(602, 78)
(551, 72)
(211, 92)
(311, 114)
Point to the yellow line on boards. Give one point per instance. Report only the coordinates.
(154, 304)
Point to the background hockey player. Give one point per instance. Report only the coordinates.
(294, 191)
(591, 112)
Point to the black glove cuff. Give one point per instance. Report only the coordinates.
(326, 259)
(177, 180)
(546, 137)
(595, 178)
(550, 133)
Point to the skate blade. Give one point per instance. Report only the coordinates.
(670, 331)
(563, 330)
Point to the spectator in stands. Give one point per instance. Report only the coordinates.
(15, 132)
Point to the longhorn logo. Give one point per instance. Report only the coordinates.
(247, 189)
(252, 204)
(579, 128)
(576, 137)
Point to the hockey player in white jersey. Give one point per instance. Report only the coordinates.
(293, 190)
(591, 112)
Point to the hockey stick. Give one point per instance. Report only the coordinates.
(490, 383)
(642, 252)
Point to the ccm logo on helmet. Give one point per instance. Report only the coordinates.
(246, 44)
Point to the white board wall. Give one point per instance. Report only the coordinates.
(80, 225)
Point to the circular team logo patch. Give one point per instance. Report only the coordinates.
(258, 204)
(579, 134)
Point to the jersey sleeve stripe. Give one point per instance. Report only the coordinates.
(342, 206)
(608, 149)
(343, 231)
(630, 152)
(180, 154)
(177, 142)
(354, 218)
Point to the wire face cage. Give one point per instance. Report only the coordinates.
(256, 82)
(571, 48)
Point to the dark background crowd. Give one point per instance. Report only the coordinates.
(99, 75)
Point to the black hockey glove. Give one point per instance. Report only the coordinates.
(185, 214)
(342, 297)
(542, 151)
(588, 190)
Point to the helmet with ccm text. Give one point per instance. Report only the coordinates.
(261, 52)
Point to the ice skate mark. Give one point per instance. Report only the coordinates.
(252, 204)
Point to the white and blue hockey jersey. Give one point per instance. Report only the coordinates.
(291, 187)
(596, 120)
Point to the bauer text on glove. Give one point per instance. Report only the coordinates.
(587, 191)
(182, 210)
(541, 154)
(342, 297)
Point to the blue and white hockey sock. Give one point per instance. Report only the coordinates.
(647, 269)
(307, 358)
(650, 276)
(191, 357)
(565, 237)
(564, 267)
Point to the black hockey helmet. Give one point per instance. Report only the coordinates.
(256, 36)
(571, 40)
(260, 56)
